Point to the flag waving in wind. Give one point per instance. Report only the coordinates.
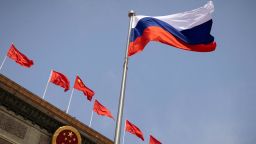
(60, 80)
(153, 140)
(188, 30)
(79, 85)
(101, 110)
(131, 128)
(18, 57)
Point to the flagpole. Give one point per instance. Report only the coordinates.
(47, 84)
(70, 100)
(91, 119)
(123, 84)
(3, 62)
(124, 132)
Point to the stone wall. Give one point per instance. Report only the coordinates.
(16, 130)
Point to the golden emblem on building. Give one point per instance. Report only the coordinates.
(66, 135)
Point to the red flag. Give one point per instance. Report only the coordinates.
(153, 140)
(131, 128)
(79, 85)
(101, 110)
(60, 80)
(18, 57)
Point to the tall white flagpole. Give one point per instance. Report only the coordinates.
(124, 132)
(3, 63)
(47, 84)
(91, 119)
(70, 100)
(131, 14)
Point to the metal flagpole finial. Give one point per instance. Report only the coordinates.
(131, 13)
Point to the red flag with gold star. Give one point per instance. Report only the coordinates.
(101, 110)
(131, 128)
(153, 140)
(79, 85)
(60, 80)
(19, 57)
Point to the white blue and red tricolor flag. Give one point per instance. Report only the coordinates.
(188, 30)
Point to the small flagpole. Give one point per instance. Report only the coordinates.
(47, 84)
(131, 14)
(3, 62)
(124, 132)
(91, 119)
(70, 100)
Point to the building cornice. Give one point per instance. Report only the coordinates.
(30, 106)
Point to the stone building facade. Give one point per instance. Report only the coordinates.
(27, 119)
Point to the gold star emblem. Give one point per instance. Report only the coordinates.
(70, 134)
(81, 83)
(66, 135)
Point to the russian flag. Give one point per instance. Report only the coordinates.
(188, 30)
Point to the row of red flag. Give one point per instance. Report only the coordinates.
(61, 80)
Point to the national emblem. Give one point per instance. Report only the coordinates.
(66, 135)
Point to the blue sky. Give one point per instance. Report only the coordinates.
(178, 96)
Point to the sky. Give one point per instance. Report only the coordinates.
(177, 96)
